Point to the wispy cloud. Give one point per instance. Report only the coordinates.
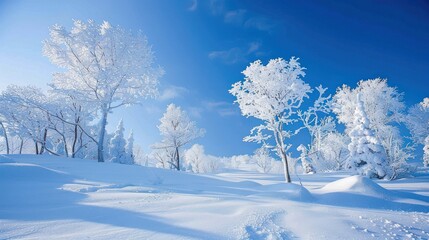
(237, 54)
(217, 7)
(193, 6)
(172, 92)
(260, 23)
(236, 17)
(230, 56)
(223, 108)
(241, 17)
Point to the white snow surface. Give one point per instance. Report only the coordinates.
(46, 197)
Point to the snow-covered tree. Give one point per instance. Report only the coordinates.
(334, 149)
(198, 162)
(263, 160)
(177, 130)
(23, 118)
(129, 149)
(384, 109)
(367, 154)
(306, 164)
(317, 122)
(418, 124)
(272, 93)
(105, 66)
(117, 145)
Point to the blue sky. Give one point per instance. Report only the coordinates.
(204, 45)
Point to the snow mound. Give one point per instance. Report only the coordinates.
(359, 185)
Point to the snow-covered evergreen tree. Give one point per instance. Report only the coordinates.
(306, 164)
(129, 149)
(272, 94)
(117, 145)
(367, 154)
(177, 130)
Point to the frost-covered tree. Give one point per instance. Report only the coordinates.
(23, 118)
(105, 66)
(272, 93)
(177, 130)
(367, 154)
(262, 159)
(384, 109)
(198, 162)
(117, 145)
(418, 124)
(318, 124)
(334, 148)
(129, 149)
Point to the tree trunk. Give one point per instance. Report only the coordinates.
(103, 123)
(37, 147)
(5, 137)
(21, 145)
(177, 159)
(45, 135)
(285, 167)
(74, 141)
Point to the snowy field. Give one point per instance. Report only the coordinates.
(45, 197)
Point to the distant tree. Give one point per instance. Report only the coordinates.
(106, 66)
(367, 154)
(129, 149)
(117, 145)
(262, 159)
(334, 150)
(177, 130)
(418, 124)
(273, 94)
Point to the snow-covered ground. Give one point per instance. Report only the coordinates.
(45, 197)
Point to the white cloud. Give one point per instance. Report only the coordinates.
(221, 107)
(235, 17)
(236, 54)
(229, 56)
(193, 6)
(259, 23)
(172, 92)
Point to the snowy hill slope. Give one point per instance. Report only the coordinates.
(48, 197)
